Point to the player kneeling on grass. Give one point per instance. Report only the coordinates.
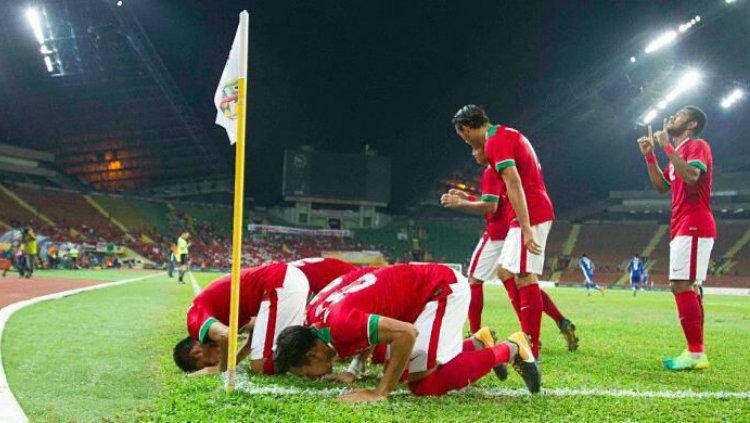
(419, 312)
(274, 294)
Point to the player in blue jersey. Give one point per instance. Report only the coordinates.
(636, 268)
(587, 267)
(645, 280)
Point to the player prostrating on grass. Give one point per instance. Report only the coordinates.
(484, 265)
(587, 268)
(693, 229)
(419, 312)
(274, 295)
(513, 158)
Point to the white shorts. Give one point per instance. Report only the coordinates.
(440, 327)
(516, 259)
(285, 307)
(485, 259)
(689, 257)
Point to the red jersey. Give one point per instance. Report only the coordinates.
(212, 304)
(691, 205)
(321, 271)
(347, 319)
(508, 147)
(493, 190)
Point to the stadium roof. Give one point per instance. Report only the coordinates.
(85, 83)
(338, 76)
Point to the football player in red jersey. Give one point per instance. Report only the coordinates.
(272, 297)
(515, 161)
(418, 310)
(689, 176)
(484, 265)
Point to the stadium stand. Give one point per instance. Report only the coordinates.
(154, 223)
(609, 246)
(13, 213)
(70, 209)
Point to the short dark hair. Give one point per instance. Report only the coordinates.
(699, 117)
(583, 255)
(292, 346)
(470, 115)
(181, 355)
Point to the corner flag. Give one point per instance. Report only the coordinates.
(231, 101)
(227, 93)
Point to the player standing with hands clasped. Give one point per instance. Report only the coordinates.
(688, 175)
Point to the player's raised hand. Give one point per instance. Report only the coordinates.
(530, 242)
(646, 145)
(362, 395)
(459, 193)
(662, 137)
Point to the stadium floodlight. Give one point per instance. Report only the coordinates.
(650, 116)
(119, 3)
(729, 1)
(632, 59)
(661, 41)
(34, 19)
(48, 63)
(689, 80)
(732, 98)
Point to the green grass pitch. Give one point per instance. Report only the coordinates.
(106, 355)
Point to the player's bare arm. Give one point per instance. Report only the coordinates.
(219, 333)
(517, 200)
(452, 201)
(401, 337)
(646, 146)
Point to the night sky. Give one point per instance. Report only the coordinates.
(339, 75)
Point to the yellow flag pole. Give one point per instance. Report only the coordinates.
(239, 191)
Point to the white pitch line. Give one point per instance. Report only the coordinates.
(196, 287)
(10, 410)
(254, 389)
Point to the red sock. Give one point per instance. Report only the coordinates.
(510, 286)
(379, 353)
(531, 314)
(550, 309)
(691, 319)
(469, 345)
(464, 369)
(475, 307)
(268, 367)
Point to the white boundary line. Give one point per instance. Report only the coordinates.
(253, 389)
(196, 287)
(10, 410)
